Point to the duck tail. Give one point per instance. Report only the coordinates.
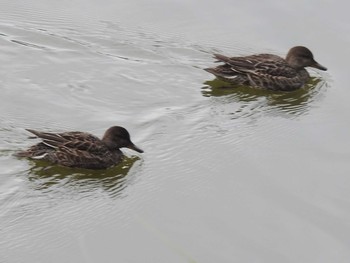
(211, 70)
(221, 58)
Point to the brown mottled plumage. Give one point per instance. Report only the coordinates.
(80, 149)
(268, 71)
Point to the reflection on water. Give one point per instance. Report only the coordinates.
(295, 103)
(50, 178)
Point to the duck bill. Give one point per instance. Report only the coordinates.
(318, 66)
(135, 148)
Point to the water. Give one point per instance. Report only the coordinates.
(228, 175)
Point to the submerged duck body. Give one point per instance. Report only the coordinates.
(267, 71)
(80, 149)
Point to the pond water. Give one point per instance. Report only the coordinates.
(228, 174)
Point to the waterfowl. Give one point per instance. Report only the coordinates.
(267, 71)
(81, 149)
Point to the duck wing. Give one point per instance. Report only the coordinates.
(74, 140)
(74, 149)
(263, 65)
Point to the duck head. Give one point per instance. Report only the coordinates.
(300, 57)
(118, 137)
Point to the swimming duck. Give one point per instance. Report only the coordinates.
(80, 149)
(267, 71)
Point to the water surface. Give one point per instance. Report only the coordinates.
(228, 174)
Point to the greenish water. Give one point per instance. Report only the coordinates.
(228, 174)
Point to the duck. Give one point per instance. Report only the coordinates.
(81, 149)
(267, 71)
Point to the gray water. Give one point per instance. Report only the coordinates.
(228, 175)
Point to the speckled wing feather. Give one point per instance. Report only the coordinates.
(261, 65)
(262, 71)
(74, 140)
(74, 149)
